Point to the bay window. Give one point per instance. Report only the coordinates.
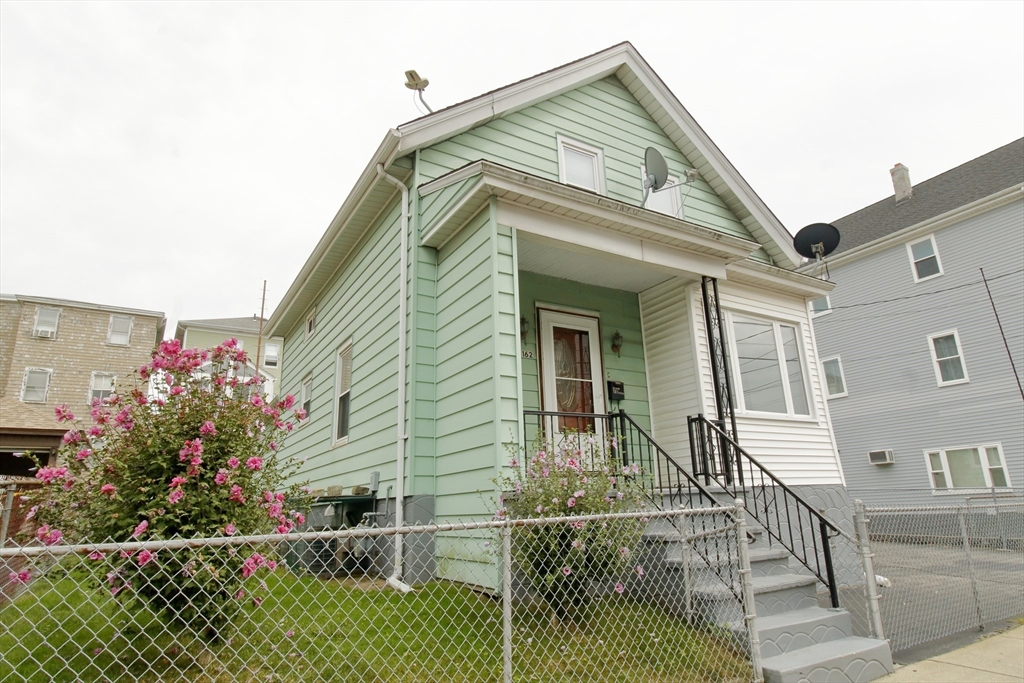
(769, 367)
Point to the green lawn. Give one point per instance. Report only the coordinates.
(308, 629)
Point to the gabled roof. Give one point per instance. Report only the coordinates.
(990, 173)
(371, 195)
(247, 325)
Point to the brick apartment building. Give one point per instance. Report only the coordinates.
(55, 351)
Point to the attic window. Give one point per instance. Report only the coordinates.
(581, 165)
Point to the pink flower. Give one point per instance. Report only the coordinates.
(539, 509)
(96, 555)
(221, 477)
(300, 414)
(20, 577)
(49, 536)
(94, 431)
(287, 402)
(63, 413)
(624, 552)
(289, 634)
(48, 475)
(191, 448)
(251, 564)
(236, 494)
(271, 565)
(108, 490)
(570, 503)
(566, 571)
(273, 446)
(233, 462)
(144, 557)
(208, 429)
(619, 588)
(177, 390)
(256, 400)
(175, 497)
(32, 512)
(83, 454)
(299, 518)
(230, 529)
(640, 571)
(71, 436)
(178, 481)
(254, 463)
(257, 601)
(274, 510)
(240, 594)
(141, 528)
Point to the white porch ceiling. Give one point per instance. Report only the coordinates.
(569, 262)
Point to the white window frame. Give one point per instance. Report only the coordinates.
(935, 358)
(985, 467)
(739, 399)
(306, 397)
(913, 263)
(671, 190)
(596, 152)
(46, 389)
(842, 376)
(339, 391)
(266, 355)
(92, 382)
(311, 324)
(818, 314)
(110, 329)
(36, 329)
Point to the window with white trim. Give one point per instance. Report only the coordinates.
(835, 382)
(769, 366)
(580, 164)
(272, 355)
(947, 357)
(306, 396)
(120, 331)
(101, 385)
(45, 326)
(311, 323)
(820, 306)
(668, 200)
(342, 393)
(35, 385)
(924, 259)
(972, 467)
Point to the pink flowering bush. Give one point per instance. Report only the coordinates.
(159, 467)
(578, 477)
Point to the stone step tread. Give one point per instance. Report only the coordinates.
(787, 620)
(777, 582)
(816, 655)
(766, 554)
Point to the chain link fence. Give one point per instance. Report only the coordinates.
(946, 569)
(645, 596)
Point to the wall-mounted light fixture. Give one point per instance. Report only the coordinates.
(617, 343)
(524, 327)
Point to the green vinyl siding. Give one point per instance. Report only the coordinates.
(436, 204)
(360, 304)
(604, 114)
(619, 312)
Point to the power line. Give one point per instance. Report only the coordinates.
(915, 296)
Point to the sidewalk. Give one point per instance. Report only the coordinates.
(997, 659)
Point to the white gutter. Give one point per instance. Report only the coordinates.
(395, 580)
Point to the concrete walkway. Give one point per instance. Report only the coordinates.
(996, 659)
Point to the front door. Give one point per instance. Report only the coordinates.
(571, 372)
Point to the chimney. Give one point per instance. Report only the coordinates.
(901, 182)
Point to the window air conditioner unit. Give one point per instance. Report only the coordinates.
(881, 457)
(46, 334)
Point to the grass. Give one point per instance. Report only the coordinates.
(349, 631)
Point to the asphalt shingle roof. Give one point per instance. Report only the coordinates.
(999, 169)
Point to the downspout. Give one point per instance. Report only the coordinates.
(395, 580)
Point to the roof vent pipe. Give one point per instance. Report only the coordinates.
(901, 182)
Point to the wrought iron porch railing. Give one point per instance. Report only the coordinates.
(786, 517)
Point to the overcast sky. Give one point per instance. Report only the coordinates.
(173, 156)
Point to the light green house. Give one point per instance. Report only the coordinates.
(486, 243)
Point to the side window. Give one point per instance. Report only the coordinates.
(667, 200)
(101, 385)
(769, 366)
(820, 306)
(272, 356)
(947, 356)
(342, 393)
(306, 395)
(974, 467)
(924, 259)
(581, 165)
(311, 324)
(835, 382)
(45, 326)
(35, 385)
(120, 331)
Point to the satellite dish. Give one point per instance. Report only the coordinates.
(816, 241)
(656, 171)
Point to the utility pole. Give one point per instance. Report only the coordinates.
(259, 337)
(1003, 334)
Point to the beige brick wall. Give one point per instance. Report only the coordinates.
(79, 349)
(10, 315)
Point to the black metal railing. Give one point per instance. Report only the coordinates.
(664, 482)
(787, 518)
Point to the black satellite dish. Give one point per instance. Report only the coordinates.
(816, 241)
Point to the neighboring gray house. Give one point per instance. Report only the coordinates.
(923, 396)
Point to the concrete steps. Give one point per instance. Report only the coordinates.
(847, 660)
